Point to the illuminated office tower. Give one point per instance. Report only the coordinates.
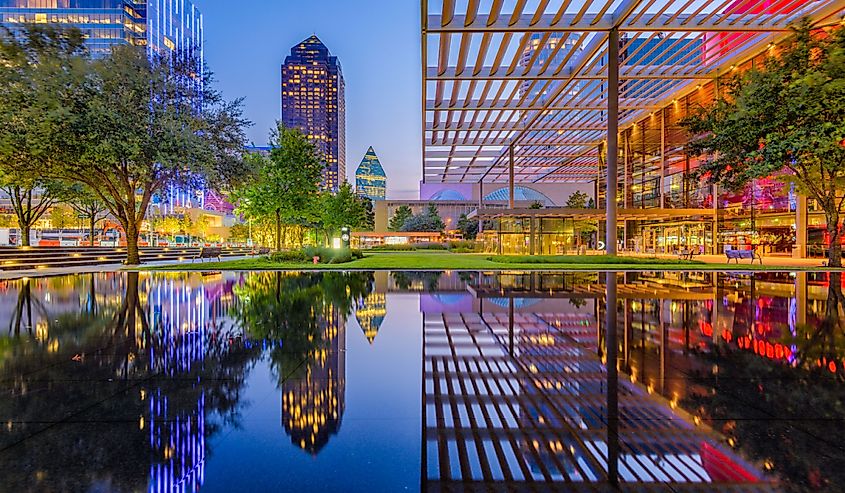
(370, 179)
(163, 25)
(313, 101)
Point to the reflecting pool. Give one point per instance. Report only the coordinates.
(422, 381)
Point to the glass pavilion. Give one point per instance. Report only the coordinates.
(527, 92)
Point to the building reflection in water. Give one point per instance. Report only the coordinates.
(528, 395)
(130, 328)
(313, 400)
(370, 315)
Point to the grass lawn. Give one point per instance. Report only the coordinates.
(463, 261)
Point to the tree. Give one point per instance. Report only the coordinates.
(536, 205)
(128, 125)
(783, 119)
(427, 221)
(341, 209)
(61, 216)
(577, 200)
(369, 213)
(42, 58)
(200, 227)
(87, 206)
(239, 233)
(286, 182)
(468, 227)
(402, 214)
(580, 200)
(170, 225)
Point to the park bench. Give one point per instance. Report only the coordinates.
(736, 255)
(208, 252)
(688, 254)
(261, 251)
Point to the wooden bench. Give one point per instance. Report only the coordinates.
(208, 252)
(743, 254)
(260, 251)
(688, 254)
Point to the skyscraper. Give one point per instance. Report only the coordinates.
(159, 24)
(313, 101)
(370, 178)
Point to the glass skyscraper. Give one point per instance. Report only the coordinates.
(313, 101)
(159, 24)
(370, 178)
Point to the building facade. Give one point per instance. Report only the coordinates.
(313, 100)
(370, 178)
(162, 25)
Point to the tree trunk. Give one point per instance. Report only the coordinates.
(93, 224)
(25, 230)
(278, 230)
(133, 256)
(833, 229)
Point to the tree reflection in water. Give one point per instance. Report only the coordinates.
(304, 317)
(88, 405)
(787, 416)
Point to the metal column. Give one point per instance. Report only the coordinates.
(663, 156)
(612, 137)
(800, 250)
(611, 352)
(510, 177)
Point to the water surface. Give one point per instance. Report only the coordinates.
(433, 381)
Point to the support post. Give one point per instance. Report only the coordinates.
(716, 219)
(800, 250)
(663, 157)
(510, 177)
(612, 137)
(480, 206)
(611, 352)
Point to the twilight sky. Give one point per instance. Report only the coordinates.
(377, 42)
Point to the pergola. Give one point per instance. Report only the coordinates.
(537, 90)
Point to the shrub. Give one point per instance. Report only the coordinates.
(331, 255)
(288, 257)
(465, 246)
(430, 246)
(394, 248)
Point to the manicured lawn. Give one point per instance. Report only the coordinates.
(461, 261)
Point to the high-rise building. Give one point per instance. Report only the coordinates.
(159, 24)
(370, 178)
(313, 101)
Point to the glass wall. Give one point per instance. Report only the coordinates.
(540, 236)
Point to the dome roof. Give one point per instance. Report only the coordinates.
(448, 194)
(519, 194)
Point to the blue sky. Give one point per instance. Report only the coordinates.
(377, 42)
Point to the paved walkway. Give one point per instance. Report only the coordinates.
(771, 261)
(113, 267)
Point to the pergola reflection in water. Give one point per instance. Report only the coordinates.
(522, 399)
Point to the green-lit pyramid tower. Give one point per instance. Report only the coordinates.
(370, 179)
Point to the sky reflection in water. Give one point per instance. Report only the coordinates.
(420, 381)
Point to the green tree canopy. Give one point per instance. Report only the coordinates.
(468, 227)
(128, 125)
(402, 214)
(577, 200)
(34, 73)
(286, 183)
(343, 208)
(427, 221)
(783, 119)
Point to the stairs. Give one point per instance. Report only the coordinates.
(35, 258)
